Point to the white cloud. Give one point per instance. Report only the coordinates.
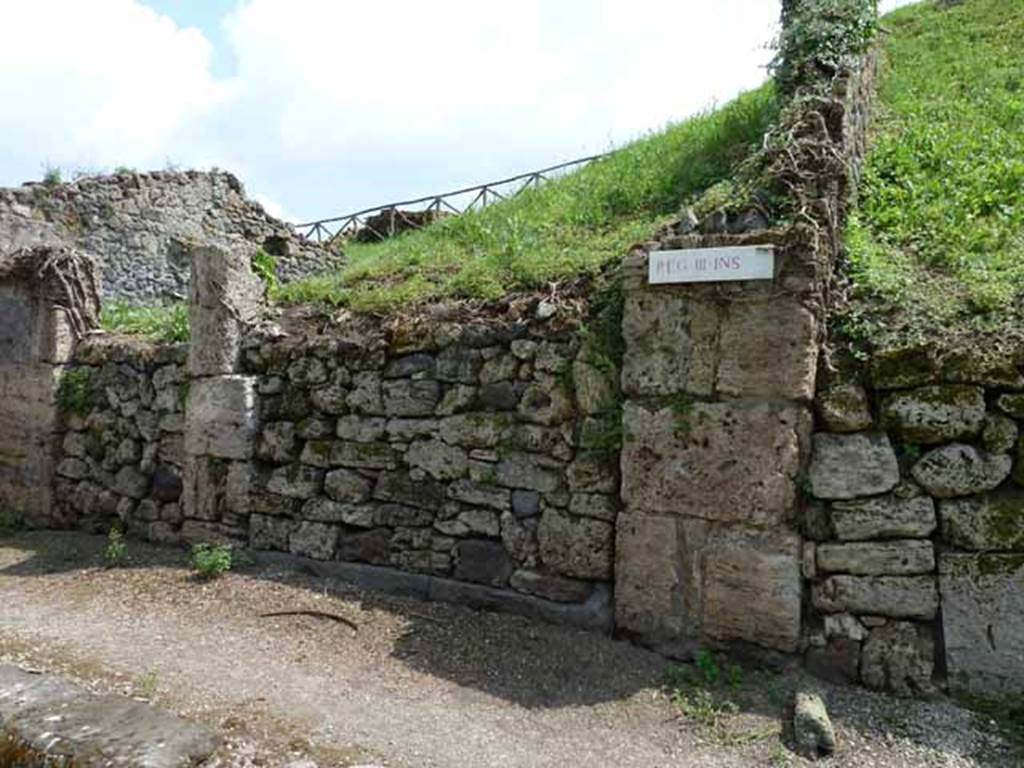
(337, 105)
(101, 83)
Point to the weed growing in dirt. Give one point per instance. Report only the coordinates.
(210, 560)
(117, 549)
(702, 692)
(145, 686)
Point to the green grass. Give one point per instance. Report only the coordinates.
(167, 323)
(937, 242)
(568, 227)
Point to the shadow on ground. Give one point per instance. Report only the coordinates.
(538, 666)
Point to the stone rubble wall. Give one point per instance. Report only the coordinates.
(462, 456)
(140, 226)
(458, 456)
(915, 534)
(122, 456)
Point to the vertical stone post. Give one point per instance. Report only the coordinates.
(718, 380)
(221, 422)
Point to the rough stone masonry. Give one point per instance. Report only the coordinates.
(140, 227)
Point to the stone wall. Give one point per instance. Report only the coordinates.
(140, 226)
(456, 456)
(122, 447)
(469, 455)
(915, 553)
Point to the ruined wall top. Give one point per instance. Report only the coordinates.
(139, 227)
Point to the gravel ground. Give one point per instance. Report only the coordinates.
(418, 685)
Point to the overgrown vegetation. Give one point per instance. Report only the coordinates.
(74, 392)
(820, 38)
(568, 227)
(210, 560)
(165, 322)
(936, 246)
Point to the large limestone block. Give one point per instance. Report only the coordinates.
(901, 597)
(658, 577)
(730, 462)
(983, 622)
(883, 517)
(993, 522)
(579, 547)
(768, 349)
(752, 589)
(220, 417)
(936, 414)
(671, 343)
(884, 558)
(848, 466)
(224, 297)
(960, 470)
(677, 342)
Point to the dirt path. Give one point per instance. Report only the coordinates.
(418, 685)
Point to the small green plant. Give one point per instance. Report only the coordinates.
(74, 393)
(123, 170)
(117, 550)
(210, 560)
(146, 686)
(52, 176)
(265, 267)
(708, 667)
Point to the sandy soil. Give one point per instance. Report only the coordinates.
(417, 685)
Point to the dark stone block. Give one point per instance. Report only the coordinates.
(167, 484)
(372, 546)
(483, 562)
(837, 662)
(500, 396)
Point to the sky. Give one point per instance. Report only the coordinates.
(322, 107)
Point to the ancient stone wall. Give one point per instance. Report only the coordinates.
(458, 455)
(469, 454)
(140, 227)
(122, 446)
(915, 553)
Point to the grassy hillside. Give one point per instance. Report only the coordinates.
(568, 227)
(937, 245)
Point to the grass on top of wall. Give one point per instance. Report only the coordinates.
(937, 243)
(570, 226)
(166, 322)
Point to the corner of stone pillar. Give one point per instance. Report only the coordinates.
(221, 419)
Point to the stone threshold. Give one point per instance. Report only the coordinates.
(595, 614)
(46, 720)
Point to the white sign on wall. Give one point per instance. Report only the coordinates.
(712, 265)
